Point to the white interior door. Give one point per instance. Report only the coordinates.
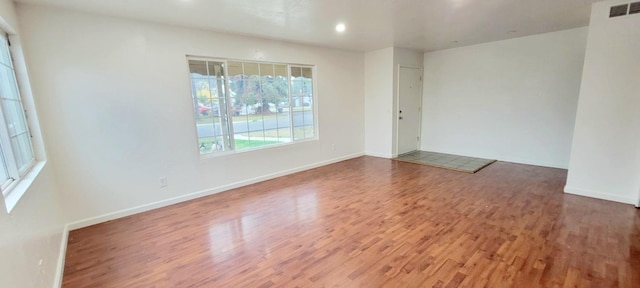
(409, 109)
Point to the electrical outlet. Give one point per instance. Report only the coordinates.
(163, 181)
(333, 147)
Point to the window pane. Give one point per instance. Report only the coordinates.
(4, 174)
(8, 89)
(245, 89)
(211, 144)
(306, 72)
(5, 57)
(209, 100)
(251, 69)
(14, 116)
(242, 106)
(281, 70)
(296, 72)
(234, 68)
(302, 106)
(308, 125)
(281, 85)
(21, 145)
(266, 69)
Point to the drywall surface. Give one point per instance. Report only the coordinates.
(605, 155)
(381, 91)
(512, 100)
(30, 235)
(378, 102)
(119, 112)
(8, 18)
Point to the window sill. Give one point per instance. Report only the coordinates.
(204, 157)
(16, 192)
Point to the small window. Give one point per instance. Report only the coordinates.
(619, 10)
(241, 105)
(16, 151)
(634, 8)
(302, 100)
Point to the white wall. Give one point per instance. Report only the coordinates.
(378, 102)
(407, 58)
(605, 156)
(381, 91)
(32, 232)
(512, 100)
(118, 105)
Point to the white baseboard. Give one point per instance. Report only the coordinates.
(198, 194)
(373, 154)
(506, 159)
(599, 195)
(57, 282)
(536, 163)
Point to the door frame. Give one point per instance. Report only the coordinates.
(397, 106)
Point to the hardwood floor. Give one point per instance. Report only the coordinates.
(371, 222)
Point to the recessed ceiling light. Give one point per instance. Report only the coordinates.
(340, 27)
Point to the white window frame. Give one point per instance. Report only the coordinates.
(19, 179)
(233, 150)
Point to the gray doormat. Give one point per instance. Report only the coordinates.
(447, 161)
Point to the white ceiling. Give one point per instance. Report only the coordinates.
(426, 25)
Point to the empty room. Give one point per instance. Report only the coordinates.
(304, 143)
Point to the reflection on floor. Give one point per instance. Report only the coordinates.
(447, 161)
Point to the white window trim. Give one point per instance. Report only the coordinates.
(19, 187)
(14, 189)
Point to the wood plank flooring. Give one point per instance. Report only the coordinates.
(371, 222)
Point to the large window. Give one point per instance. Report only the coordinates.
(242, 105)
(16, 152)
